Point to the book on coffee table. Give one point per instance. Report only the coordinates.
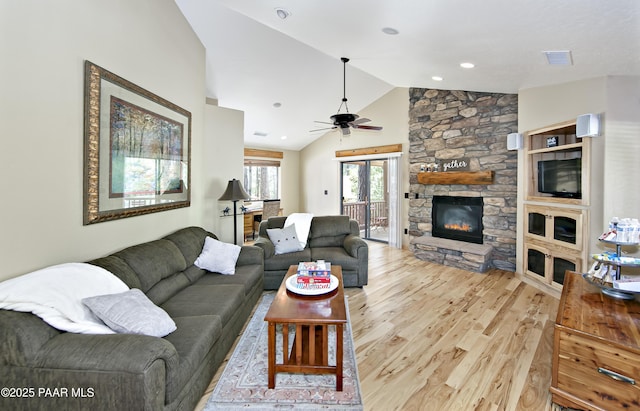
(314, 272)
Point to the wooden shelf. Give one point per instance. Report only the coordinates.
(456, 177)
(564, 147)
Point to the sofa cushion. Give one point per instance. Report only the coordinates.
(337, 256)
(153, 261)
(285, 239)
(131, 312)
(193, 339)
(119, 268)
(190, 241)
(165, 288)
(329, 231)
(246, 275)
(218, 257)
(199, 299)
(283, 261)
(194, 273)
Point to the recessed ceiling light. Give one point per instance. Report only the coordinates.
(277, 105)
(437, 78)
(283, 138)
(390, 31)
(559, 58)
(282, 13)
(467, 65)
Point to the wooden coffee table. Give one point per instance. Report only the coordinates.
(312, 316)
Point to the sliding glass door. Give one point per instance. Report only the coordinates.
(365, 196)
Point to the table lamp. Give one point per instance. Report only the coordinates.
(234, 192)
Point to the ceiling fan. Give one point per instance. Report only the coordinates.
(345, 121)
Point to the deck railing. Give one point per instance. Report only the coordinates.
(357, 211)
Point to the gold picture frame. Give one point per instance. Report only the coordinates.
(137, 149)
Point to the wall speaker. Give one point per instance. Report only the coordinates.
(514, 141)
(588, 125)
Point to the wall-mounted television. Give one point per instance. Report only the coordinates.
(560, 178)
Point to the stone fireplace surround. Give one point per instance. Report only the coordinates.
(445, 125)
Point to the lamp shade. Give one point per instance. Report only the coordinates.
(234, 192)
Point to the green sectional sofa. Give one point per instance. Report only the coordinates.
(335, 239)
(131, 371)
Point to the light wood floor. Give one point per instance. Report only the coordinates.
(430, 337)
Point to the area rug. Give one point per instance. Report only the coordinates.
(243, 383)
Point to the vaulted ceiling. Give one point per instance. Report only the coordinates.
(286, 73)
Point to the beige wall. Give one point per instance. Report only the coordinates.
(290, 182)
(616, 99)
(43, 47)
(223, 133)
(320, 170)
(621, 191)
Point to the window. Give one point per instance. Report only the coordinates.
(262, 179)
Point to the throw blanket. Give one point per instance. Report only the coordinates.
(303, 225)
(55, 293)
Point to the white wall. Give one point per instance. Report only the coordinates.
(320, 170)
(43, 47)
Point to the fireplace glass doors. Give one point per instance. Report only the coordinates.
(457, 218)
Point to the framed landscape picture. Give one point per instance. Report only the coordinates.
(137, 149)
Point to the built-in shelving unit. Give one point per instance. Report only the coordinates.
(556, 228)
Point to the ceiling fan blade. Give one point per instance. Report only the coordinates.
(322, 122)
(322, 129)
(363, 127)
(360, 121)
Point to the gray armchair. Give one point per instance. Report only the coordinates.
(335, 239)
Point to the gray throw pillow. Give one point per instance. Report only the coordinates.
(285, 239)
(131, 312)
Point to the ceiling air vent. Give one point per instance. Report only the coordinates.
(559, 58)
(260, 133)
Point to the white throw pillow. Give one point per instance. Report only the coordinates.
(285, 239)
(131, 312)
(55, 293)
(302, 222)
(218, 257)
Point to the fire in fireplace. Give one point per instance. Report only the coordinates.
(457, 218)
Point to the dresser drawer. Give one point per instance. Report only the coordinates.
(600, 373)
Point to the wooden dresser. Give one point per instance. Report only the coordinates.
(596, 349)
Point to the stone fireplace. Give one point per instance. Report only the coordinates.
(457, 218)
(444, 127)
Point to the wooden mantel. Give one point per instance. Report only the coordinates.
(456, 177)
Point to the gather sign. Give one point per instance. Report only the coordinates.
(459, 164)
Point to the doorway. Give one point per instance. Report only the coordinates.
(365, 196)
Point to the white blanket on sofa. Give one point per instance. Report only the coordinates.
(55, 293)
(303, 225)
